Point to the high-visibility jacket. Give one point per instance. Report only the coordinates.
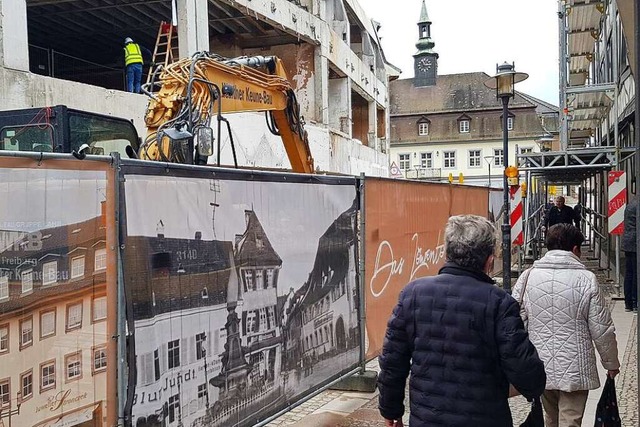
(132, 54)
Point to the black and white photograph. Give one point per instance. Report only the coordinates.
(243, 295)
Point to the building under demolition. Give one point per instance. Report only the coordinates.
(71, 52)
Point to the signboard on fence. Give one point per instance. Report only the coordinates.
(57, 293)
(617, 201)
(404, 240)
(242, 290)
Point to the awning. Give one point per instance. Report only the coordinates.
(72, 419)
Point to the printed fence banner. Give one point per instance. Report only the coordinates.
(241, 292)
(404, 240)
(57, 280)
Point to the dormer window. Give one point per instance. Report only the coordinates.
(463, 126)
(423, 126)
(509, 123)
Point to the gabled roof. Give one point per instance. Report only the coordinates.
(254, 247)
(452, 93)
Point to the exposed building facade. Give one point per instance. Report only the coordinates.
(71, 54)
(444, 125)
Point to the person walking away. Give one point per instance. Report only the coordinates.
(560, 213)
(462, 339)
(566, 314)
(630, 255)
(133, 62)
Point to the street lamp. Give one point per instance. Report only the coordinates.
(503, 82)
(488, 159)
(11, 412)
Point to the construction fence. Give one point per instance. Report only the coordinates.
(152, 294)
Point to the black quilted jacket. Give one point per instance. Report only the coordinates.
(464, 342)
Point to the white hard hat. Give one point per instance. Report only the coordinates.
(128, 40)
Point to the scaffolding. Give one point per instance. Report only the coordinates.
(591, 109)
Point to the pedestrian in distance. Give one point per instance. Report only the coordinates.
(462, 339)
(566, 315)
(133, 61)
(560, 213)
(630, 255)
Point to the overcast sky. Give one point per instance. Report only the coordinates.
(473, 35)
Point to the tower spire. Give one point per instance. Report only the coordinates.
(425, 59)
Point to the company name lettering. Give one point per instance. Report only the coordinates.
(247, 94)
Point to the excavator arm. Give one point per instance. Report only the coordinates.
(194, 91)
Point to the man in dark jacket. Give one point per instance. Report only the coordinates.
(560, 213)
(461, 337)
(630, 255)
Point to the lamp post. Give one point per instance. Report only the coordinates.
(488, 159)
(11, 412)
(503, 82)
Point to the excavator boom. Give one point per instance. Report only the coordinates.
(193, 91)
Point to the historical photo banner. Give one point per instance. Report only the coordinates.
(241, 293)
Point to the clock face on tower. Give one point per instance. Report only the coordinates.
(424, 64)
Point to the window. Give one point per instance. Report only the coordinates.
(405, 161)
(271, 312)
(4, 287)
(26, 332)
(77, 267)
(525, 150)
(449, 159)
(174, 354)
(270, 277)
(49, 273)
(47, 375)
(26, 384)
(47, 323)
(156, 364)
(248, 280)
(463, 126)
(174, 407)
(74, 316)
(474, 159)
(100, 262)
(260, 283)
(509, 123)
(4, 338)
(202, 393)
(27, 281)
(263, 318)
(426, 160)
(99, 359)
(5, 392)
(200, 350)
(423, 128)
(99, 309)
(73, 364)
(251, 321)
(498, 157)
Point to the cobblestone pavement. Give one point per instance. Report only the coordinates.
(333, 408)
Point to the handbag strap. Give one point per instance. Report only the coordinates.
(524, 286)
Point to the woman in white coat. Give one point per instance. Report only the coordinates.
(566, 314)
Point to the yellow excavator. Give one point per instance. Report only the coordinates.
(194, 91)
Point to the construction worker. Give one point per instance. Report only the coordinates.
(133, 63)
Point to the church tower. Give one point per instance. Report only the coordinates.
(425, 59)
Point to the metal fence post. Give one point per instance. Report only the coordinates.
(361, 279)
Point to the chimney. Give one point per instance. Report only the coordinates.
(247, 216)
(198, 235)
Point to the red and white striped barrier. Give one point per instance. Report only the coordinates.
(617, 201)
(515, 215)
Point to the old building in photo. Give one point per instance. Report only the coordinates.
(53, 334)
(451, 125)
(208, 336)
(321, 318)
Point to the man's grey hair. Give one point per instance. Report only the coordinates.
(469, 240)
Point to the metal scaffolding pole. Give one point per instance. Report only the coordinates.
(564, 124)
(637, 140)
